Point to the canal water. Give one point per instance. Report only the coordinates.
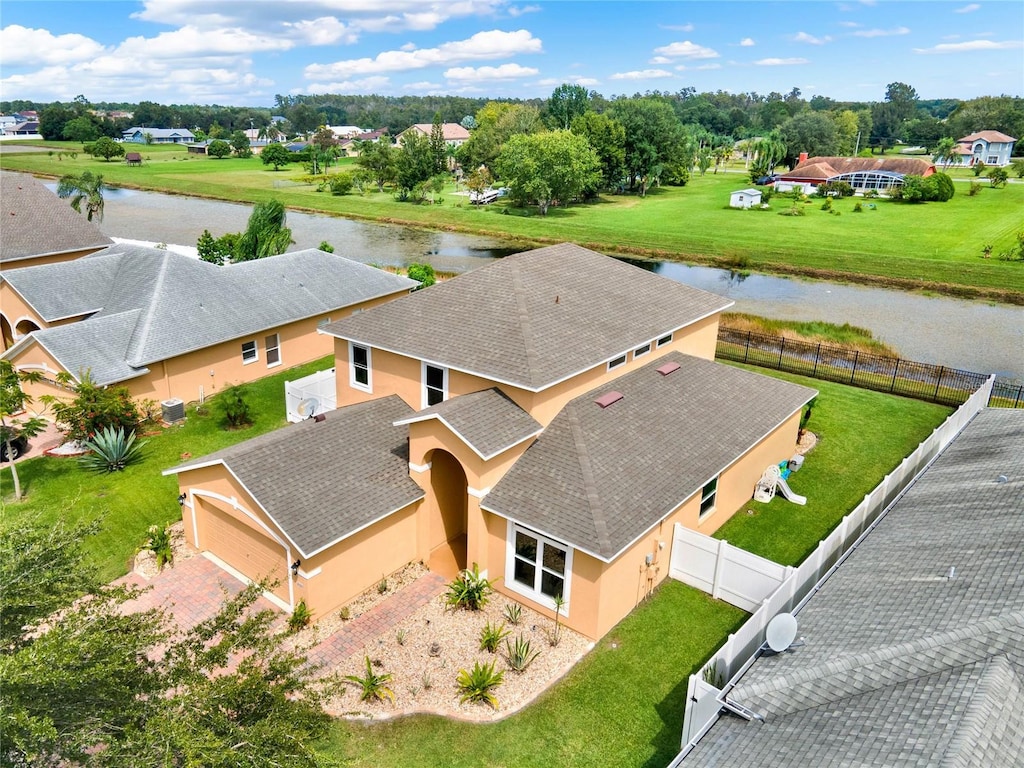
(969, 335)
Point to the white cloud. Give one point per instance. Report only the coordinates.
(686, 50)
(773, 62)
(493, 44)
(849, 24)
(575, 80)
(803, 37)
(642, 74)
(659, 60)
(882, 32)
(190, 42)
(480, 74)
(747, 42)
(710, 66)
(969, 46)
(40, 47)
(688, 27)
(422, 86)
(969, 8)
(326, 30)
(516, 11)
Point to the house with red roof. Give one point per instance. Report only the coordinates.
(988, 147)
(861, 173)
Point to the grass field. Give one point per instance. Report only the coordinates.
(934, 246)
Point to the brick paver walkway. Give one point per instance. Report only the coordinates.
(193, 590)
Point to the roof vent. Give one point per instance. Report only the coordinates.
(1002, 479)
(667, 368)
(319, 417)
(608, 398)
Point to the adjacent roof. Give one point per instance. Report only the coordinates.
(533, 319)
(160, 133)
(989, 136)
(823, 168)
(156, 304)
(450, 131)
(598, 477)
(38, 223)
(323, 481)
(487, 421)
(903, 665)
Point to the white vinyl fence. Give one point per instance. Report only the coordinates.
(716, 566)
(306, 397)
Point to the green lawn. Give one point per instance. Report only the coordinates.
(935, 246)
(130, 501)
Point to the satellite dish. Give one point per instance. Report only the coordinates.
(307, 408)
(781, 632)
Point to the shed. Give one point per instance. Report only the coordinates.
(133, 158)
(745, 198)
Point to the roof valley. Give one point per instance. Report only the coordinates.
(141, 335)
(589, 481)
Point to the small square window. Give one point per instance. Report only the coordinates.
(620, 360)
(665, 340)
(641, 351)
(272, 344)
(249, 352)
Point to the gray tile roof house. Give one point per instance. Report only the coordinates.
(904, 665)
(534, 318)
(598, 477)
(343, 474)
(144, 304)
(38, 223)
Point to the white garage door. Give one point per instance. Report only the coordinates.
(242, 547)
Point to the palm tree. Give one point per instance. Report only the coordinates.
(945, 152)
(87, 188)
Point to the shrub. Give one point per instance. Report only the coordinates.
(479, 683)
(978, 168)
(556, 635)
(827, 205)
(795, 210)
(373, 686)
(111, 450)
(469, 590)
(944, 188)
(520, 654)
(232, 407)
(326, 247)
(424, 273)
(341, 183)
(93, 409)
(835, 189)
(491, 637)
(974, 189)
(871, 194)
(997, 177)
(514, 613)
(382, 586)
(159, 544)
(300, 618)
(858, 208)
(1018, 167)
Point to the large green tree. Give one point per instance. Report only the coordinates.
(608, 139)
(218, 149)
(105, 147)
(102, 686)
(496, 122)
(378, 160)
(653, 138)
(276, 155)
(80, 129)
(545, 167)
(414, 162)
(266, 234)
(566, 103)
(890, 116)
(810, 132)
(86, 188)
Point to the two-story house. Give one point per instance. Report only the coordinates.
(988, 147)
(548, 417)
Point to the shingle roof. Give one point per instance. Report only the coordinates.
(597, 478)
(36, 222)
(534, 318)
(450, 131)
(488, 421)
(818, 167)
(903, 666)
(321, 482)
(989, 136)
(185, 304)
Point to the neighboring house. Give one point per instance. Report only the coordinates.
(913, 651)
(345, 131)
(6, 123)
(745, 198)
(988, 147)
(454, 134)
(548, 417)
(861, 173)
(26, 115)
(158, 136)
(170, 326)
(29, 129)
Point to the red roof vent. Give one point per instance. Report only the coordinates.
(667, 368)
(608, 398)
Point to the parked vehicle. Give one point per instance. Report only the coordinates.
(18, 446)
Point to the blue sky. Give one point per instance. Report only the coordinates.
(244, 52)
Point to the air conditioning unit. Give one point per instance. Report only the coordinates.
(173, 410)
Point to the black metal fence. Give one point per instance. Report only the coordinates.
(934, 383)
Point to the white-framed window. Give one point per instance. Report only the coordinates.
(620, 360)
(538, 567)
(250, 352)
(272, 348)
(359, 368)
(993, 160)
(665, 340)
(641, 350)
(708, 495)
(435, 385)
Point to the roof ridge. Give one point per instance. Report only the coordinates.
(997, 673)
(589, 482)
(526, 328)
(929, 654)
(141, 336)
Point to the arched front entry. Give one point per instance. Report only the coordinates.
(25, 327)
(448, 514)
(7, 332)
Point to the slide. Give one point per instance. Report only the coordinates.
(788, 493)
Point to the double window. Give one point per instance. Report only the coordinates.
(435, 385)
(250, 354)
(538, 567)
(359, 367)
(707, 498)
(272, 345)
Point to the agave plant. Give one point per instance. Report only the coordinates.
(478, 683)
(111, 450)
(469, 590)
